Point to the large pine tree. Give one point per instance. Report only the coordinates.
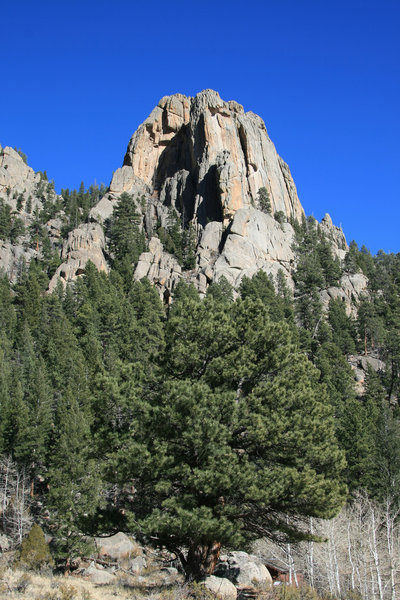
(238, 441)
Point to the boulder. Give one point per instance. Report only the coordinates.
(243, 569)
(137, 565)
(221, 587)
(98, 575)
(115, 547)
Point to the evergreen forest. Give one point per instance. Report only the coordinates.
(202, 423)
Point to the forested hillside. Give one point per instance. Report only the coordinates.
(216, 420)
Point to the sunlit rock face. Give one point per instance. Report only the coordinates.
(208, 158)
(198, 161)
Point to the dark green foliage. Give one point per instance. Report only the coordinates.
(189, 247)
(35, 552)
(330, 266)
(371, 327)
(261, 287)
(344, 333)
(203, 421)
(354, 421)
(11, 227)
(7, 310)
(179, 240)
(351, 260)
(316, 269)
(182, 291)
(74, 475)
(280, 216)
(77, 204)
(264, 200)
(221, 291)
(127, 237)
(238, 436)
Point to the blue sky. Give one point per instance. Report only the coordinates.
(77, 78)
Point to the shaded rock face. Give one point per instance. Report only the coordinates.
(13, 257)
(207, 158)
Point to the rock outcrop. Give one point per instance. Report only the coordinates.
(84, 243)
(243, 569)
(198, 161)
(207, 158)
(335, 236)
(14, 257)
(220, 587)
(16, 178)
(254, 241)
(360, 365)
(351, 289)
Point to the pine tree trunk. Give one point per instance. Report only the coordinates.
(201, 560)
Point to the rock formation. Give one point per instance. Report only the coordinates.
(203, 161)
(86, 242)
(19, 187)
(207, 158)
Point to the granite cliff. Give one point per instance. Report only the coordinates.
(200, 162)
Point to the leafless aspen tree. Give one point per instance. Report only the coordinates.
(14, 500)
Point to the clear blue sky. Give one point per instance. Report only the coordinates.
(77, 78)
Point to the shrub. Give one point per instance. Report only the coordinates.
(280, 216)
(264, 200)
(35, 553)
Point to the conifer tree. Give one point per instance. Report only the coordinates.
(343, 328)
(221, 291)
(239, 440)
(127, 238)
(74, 474)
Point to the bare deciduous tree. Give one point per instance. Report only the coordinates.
(361, 551)
(14, 500)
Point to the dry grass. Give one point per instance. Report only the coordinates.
(18, 584)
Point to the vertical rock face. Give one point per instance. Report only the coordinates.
(197, 164)
(208, 159)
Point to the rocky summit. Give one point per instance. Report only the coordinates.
(201, 164)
